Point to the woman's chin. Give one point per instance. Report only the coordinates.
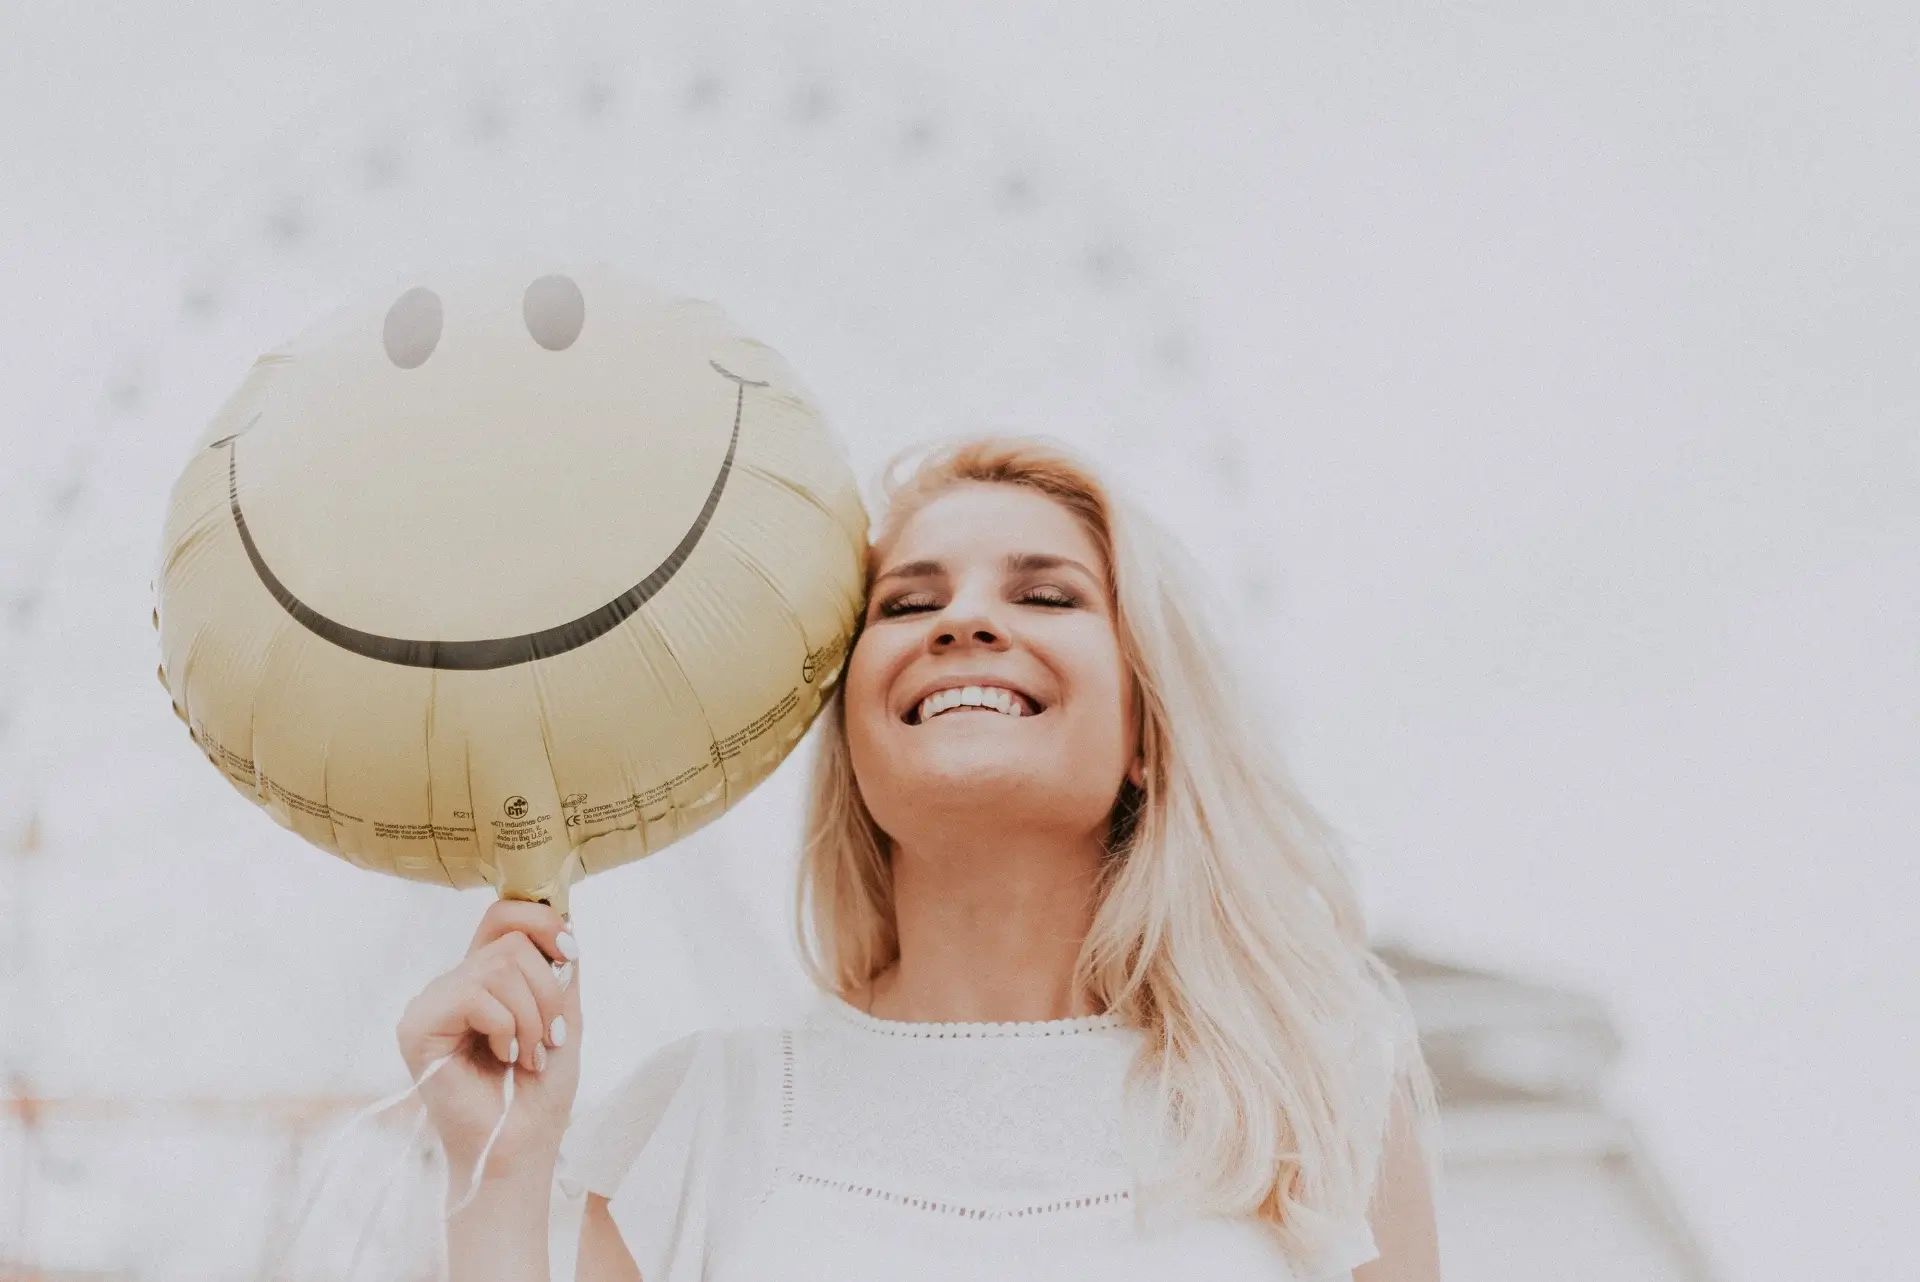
(954, 788)
(972, 767)
(978, 768)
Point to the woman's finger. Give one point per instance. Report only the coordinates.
(539, 922)
(543, 978)
(503, 977)
(487, 1015)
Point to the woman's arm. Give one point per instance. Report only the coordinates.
(603, 1253)
(500, 1236)
(1402, 1215)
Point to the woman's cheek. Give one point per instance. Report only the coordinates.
(864, 672)
(1114, 701)
(866, 696)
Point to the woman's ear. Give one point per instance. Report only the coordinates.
(1137, 772)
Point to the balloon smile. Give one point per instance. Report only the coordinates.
(492, 652)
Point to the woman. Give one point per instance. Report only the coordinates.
(1096, 999)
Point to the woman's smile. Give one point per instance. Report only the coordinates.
(968, 693)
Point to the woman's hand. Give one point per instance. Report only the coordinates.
(516, 993)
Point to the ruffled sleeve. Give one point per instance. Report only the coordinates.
(1352, 1247)
(646, 1144)
(1352, 1244)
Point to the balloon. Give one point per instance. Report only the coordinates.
(505, 578)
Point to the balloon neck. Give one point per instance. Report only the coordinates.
(552, 891)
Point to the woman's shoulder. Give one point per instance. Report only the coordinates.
(675, 1145)
(701, 1070)
(735, 1048)
(690, 1094)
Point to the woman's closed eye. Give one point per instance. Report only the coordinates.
(908, 603)
(1047, 595)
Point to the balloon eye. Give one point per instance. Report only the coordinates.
(555, 310)
(413, 327)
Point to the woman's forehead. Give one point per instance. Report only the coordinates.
(982, 521)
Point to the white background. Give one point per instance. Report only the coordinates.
(1576, 347)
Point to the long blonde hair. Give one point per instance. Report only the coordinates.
(1228, 927)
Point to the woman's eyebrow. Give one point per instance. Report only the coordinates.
(912, 570)
(1014, 562)
(1021, 562)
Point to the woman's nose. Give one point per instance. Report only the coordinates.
(959, 630)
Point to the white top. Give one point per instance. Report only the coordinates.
(856, 1149)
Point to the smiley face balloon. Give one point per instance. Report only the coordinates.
(504, 578)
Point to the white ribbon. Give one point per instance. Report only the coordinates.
(368, 1114)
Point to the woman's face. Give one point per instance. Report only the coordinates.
(988, 686)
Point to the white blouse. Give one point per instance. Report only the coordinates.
(850, 1148)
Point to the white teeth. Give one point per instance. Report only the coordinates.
(999, 700)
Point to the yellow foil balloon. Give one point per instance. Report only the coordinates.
(501, 579)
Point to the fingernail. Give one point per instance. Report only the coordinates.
(564, 973)
(513, 1052)
(558, 1033)
(568, 949)
(540, 1058)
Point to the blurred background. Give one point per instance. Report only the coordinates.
(1537, 383)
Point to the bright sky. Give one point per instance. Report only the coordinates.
(1574, 355)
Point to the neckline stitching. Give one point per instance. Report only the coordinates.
(1082, 1202)
(961, 1030)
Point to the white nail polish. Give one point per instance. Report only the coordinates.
(513, 1051)
(558, 1033)
(540, 1058)
(564, 974)
(568, 949)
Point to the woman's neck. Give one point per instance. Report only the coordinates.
(989, 930)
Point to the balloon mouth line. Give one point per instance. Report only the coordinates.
(493, 652)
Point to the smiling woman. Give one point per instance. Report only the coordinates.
(1095, 997)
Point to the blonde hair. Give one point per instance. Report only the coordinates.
(1228, 927)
